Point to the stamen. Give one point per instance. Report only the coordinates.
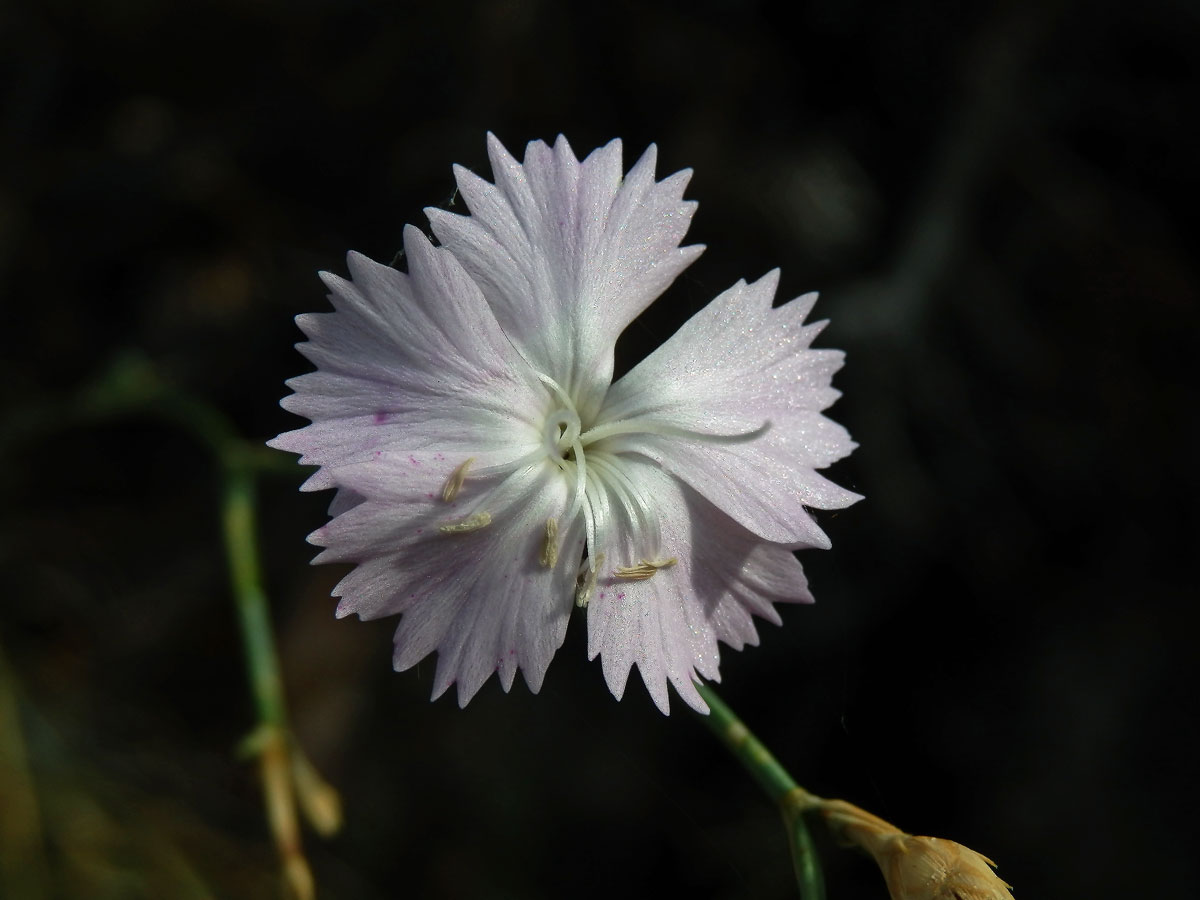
(455, 482)
(587, 587)
(644, 570)
(550, 548)
(471, 523)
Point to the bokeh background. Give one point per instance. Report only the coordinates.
(998, 201)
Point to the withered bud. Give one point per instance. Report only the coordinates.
(925, 868)
(916, 868)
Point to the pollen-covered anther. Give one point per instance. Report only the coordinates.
(455, 482)
(550, 546)
(587, 584)
(473, 522)
(644, 569)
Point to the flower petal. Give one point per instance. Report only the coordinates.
(568, 253)
(668, 625)
(409, 362)
(741, 367)
(758, 484)
(482, 599)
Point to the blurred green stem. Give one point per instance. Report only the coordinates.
(132, 386)
(793, 801)
(258, 641)
(271, 741)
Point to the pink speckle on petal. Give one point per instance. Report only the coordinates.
(380, 417)
(621, 596)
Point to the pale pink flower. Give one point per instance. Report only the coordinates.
(491, 476)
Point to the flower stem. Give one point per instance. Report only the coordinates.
(773, 778)
(271, 740)
(132, 386)
(241, 548)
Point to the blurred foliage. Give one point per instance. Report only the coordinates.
(999, 203)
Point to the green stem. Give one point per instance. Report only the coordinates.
(241, 548)
(131, 386)
(774, 779)
(271, 741)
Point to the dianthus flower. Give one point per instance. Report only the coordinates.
(490, 474)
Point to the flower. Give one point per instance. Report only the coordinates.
(490, 474)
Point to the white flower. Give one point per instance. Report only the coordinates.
(492, 477)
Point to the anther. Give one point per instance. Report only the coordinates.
(587, 586)
(471, 523)
(644, 570)
(550, 546)
(455, 482)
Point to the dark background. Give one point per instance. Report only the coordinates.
(998, 202)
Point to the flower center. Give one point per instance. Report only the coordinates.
(564, 440)
(561, 433)
(604, 491)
